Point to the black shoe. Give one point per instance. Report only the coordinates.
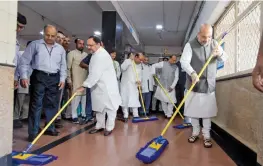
(107, 133)
(31, 138)
(126, 120)
(58, 124)
(51, 133)
(85, 121)
(75, 121)
(93, 131)
(17, 124)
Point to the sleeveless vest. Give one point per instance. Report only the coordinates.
(200, 55)
(167, 74)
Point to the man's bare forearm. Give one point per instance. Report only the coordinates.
(260, 50)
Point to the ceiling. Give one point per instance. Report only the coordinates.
(175, 17)
(82, 18)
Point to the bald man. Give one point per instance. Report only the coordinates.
(201, 102)
(129, 85)
(48, 61)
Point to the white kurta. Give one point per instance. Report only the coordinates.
(147, 79)
(103, 83)
(117, 69)
(198, 105)
(129, 88)
(159, 94)
(118, 72)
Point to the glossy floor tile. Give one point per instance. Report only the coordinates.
(20, 135)
(119, 149)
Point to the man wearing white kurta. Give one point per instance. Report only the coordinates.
(155, 84)
(147, 86)
(75, 78)
(103, 84)
(168, 78)
(129, 86)
(116, 65)
(201, 102)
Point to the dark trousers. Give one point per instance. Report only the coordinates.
(179, 96)
(88, 104)
(147, 102)
(43, 86)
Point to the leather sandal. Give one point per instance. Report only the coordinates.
(207, 143)
(193, 139)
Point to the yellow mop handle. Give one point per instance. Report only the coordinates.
(137, 78)
(167, 95)
(188, 92)
(52, 120)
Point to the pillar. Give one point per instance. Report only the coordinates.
(8, 16)
(112, 32)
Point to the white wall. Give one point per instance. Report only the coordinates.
(8, 17)
(160, 50)
(154, 52)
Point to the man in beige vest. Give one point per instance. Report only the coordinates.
(75, 78)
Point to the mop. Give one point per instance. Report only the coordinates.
(167, 95)
(154, 148)
(181, 126)
(37, 159)
(146, 118)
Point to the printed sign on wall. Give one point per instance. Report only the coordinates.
(220, 64)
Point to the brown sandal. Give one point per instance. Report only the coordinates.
(207, 143)
(193, 139)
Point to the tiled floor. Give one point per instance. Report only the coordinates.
(119, 149)
(20, 136)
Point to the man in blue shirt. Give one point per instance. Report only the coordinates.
(48, 61)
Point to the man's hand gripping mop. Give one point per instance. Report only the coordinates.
(146, 118)
(154, 148)
(37, 159)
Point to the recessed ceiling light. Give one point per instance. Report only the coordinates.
(41, 32)
(97, 33)
(159, 27)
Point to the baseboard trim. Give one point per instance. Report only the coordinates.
(237, 151)
(7, 65)
(6, 160)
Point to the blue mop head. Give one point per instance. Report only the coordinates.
(32, 159)
(139, 119)
(183, 126)
(152, 150)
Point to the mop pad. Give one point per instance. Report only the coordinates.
(32, 159)
(139, 119)
(37, 159)
(154, 148)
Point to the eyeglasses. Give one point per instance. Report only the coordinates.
(20, 26)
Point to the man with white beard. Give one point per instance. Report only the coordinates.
(201, 102)
(129, 85)
(102, 81)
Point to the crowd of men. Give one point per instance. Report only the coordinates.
(50, 73)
